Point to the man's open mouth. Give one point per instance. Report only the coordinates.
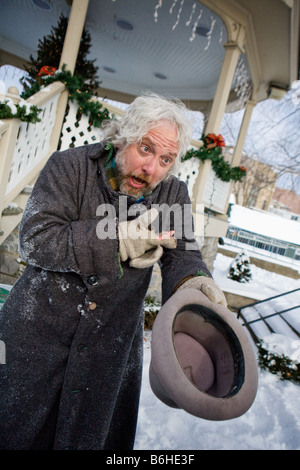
(136, 182)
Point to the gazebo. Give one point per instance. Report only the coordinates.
(215, 55)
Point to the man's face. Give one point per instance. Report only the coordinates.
(141, 166)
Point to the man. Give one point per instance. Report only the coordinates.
(73, 323)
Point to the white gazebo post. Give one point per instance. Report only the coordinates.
(233, 49)
(232, 54)
(73, 35)
(69, 56)
(242, 133)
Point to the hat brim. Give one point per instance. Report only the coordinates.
(201, 358)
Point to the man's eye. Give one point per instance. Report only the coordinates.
(145, 148)
(166, 161)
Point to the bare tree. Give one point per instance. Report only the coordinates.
(272, 138)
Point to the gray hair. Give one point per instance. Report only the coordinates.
(144, 113)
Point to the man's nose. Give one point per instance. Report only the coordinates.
(149, 166)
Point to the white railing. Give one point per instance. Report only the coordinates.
(32, 145)
(25, 148)
(3, 128)
(216, 192)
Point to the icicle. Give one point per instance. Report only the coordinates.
(178, 15)
(195, 26)
(159, 4)
(192, 14)
(209, 34)
(171, 9)
(221, 35)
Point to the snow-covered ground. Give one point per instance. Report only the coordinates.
(273, 421)
(263, 284)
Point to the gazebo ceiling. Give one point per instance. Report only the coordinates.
(172, 47)
(166, 55)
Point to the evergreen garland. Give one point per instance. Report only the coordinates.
(211, 149)
(22, 111)
(77, 92)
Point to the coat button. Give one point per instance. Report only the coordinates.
(93, 280)
(81, 348)
(92, 305)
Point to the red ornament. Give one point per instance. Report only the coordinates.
(220, 141)
(213, 140)
(210, 141)
(47, 70)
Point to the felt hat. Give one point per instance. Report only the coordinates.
(201, 358)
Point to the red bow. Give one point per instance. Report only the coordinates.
(47, 70)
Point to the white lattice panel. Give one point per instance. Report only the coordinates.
(77, 132)
(188, 172)
(216, 192)
(32, 144)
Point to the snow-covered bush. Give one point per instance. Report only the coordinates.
(240, 269)
(151, 308)
(280, 355)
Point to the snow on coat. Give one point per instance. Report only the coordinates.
(73, 322)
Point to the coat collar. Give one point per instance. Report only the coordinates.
(96, 151)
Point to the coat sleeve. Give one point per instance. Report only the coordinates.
(54, 235)
(186, 260)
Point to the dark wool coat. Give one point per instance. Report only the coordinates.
(73, 323)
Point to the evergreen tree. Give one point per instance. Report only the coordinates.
(240, 269)
(49, 53)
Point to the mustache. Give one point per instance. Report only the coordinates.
(142, 177)
(122, 179)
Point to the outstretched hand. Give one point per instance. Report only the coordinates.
(141, 245)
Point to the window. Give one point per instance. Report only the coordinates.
(264, 243)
